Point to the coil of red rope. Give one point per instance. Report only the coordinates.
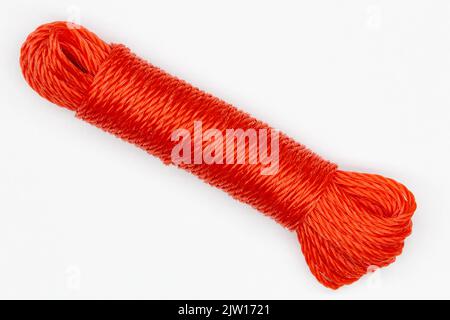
(346, 222)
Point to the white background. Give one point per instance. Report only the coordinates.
(365, 84)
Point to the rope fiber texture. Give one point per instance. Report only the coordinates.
(346, 222)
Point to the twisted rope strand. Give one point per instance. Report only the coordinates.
(345, 221)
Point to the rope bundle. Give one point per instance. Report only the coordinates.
(346, 222)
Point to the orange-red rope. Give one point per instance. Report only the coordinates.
(346, 222)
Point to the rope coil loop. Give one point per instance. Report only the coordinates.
(346, 221)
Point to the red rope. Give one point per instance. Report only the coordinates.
(346, 222)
